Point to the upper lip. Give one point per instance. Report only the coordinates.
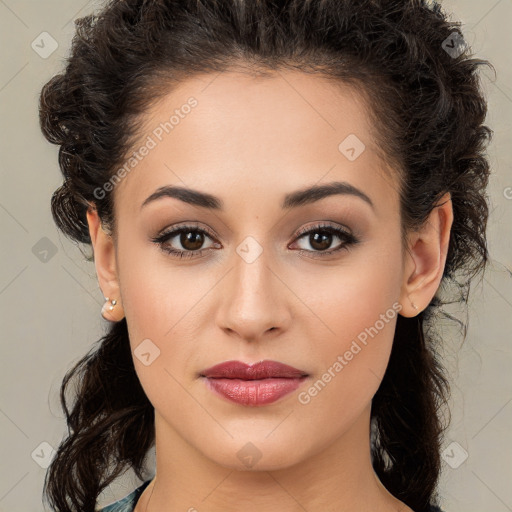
(261, 370)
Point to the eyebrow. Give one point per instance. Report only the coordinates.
(292, 200)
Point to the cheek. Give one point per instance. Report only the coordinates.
(351, 371)
(358, 308)
(164, 308)
(353, 296)
(153, 293)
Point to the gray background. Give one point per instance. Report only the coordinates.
(50, 304)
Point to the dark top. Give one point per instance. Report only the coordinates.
(127, 504)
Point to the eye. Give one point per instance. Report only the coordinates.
(320, 238)
(190, 237)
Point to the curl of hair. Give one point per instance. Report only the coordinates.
(428, 112)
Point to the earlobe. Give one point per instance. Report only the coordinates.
(106, 267)
(426, 258)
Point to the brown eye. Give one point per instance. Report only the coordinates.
(321, 242)
(321, 237)
(191, 240)
(184, 241)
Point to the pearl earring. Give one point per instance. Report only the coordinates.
(113, 302)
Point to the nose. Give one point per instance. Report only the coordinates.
(255, 299)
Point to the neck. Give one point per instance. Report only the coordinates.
(340, 477)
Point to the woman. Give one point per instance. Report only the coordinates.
(274, 193)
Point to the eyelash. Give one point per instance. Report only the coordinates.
(349, 239)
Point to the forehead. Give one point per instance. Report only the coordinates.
(217, 132)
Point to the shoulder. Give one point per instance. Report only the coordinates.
(126, 504)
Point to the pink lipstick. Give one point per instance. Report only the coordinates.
(253, 385)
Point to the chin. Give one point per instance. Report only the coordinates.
(255, 453)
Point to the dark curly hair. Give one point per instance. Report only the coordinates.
(428, 106)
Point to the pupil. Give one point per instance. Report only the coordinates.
(191, 240)
(320, 242)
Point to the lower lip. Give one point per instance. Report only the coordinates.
(254, 393)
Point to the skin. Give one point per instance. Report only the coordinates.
(250, 141)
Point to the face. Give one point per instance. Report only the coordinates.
(315, 284)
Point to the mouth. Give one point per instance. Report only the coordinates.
(261, 370)
(253, 385)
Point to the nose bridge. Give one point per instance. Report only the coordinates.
(252, 273)
(253, 301)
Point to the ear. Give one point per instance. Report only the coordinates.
(106, 266)
(426, 258)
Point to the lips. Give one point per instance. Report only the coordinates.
(254, 385)
(261, 370)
